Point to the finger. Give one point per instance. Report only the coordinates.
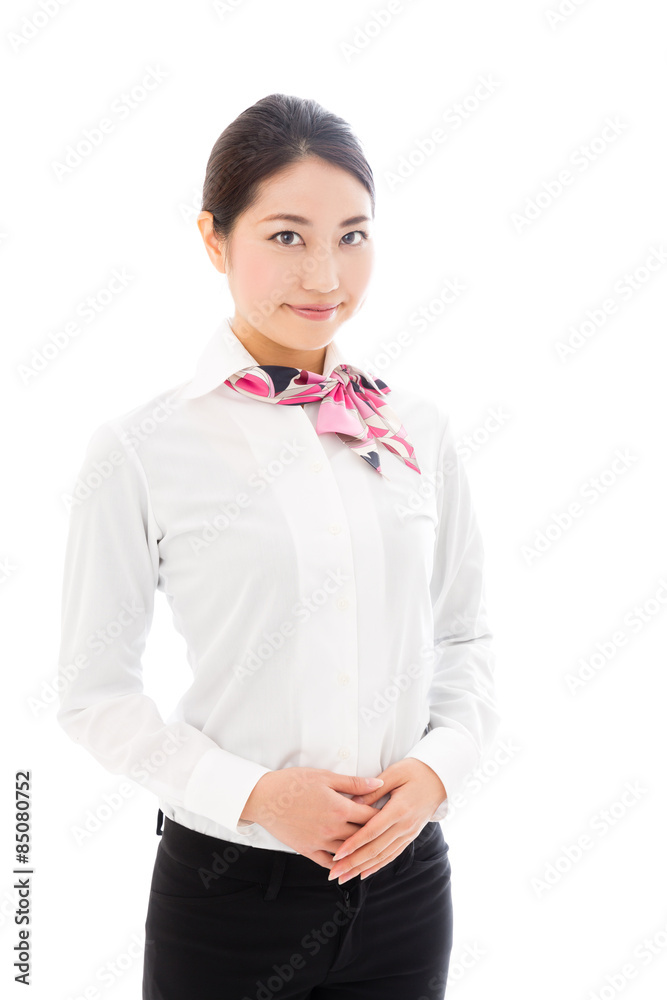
(361, 851)
(369, 797)
(389, 854)
(373, 826)
(376, 868)
(366, 868)
(359, 826)
(350, 845)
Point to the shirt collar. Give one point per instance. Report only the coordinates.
(224, 354)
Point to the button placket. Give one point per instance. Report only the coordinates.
(337, 541)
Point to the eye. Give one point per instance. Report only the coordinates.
(285, 232)
(364, 237)
(290, 232)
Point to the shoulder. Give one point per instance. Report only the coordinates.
(137, 425)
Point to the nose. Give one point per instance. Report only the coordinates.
(319, 272)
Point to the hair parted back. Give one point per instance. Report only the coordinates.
(269, 135)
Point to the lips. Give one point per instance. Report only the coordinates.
(317, 312)
(313, 305)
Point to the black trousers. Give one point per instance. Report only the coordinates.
(227, 921)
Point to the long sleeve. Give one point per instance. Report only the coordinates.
(463, 715)
(110, 577)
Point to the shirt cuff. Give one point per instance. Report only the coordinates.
(452, 755)
(220, 786)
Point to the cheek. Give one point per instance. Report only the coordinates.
(258, 275)
(357, 274)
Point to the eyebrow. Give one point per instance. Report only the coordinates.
(283, 216)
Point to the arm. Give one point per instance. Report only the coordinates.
(463, 715)
(110, 577)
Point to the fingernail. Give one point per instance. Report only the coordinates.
(376, 782)
(337, 857)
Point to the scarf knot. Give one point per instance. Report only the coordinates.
(352, 405)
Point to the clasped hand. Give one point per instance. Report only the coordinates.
(416, 791)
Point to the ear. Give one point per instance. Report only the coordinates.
(214, 248)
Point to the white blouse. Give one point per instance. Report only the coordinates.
(334, 618)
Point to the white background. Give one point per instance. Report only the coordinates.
(528, 921)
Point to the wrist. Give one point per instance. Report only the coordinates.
(254, 803)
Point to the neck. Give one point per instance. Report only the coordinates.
(269, 352)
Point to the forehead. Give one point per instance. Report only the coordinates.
(311, 191)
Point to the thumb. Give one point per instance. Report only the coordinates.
(353, 784)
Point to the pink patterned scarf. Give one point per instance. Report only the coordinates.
(352, 405)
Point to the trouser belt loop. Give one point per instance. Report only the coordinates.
(277, 870)
(160, 817)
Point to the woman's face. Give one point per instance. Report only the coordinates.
(325, 258)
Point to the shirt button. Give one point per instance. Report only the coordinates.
(342, 603)
(334, 528)
(316, 466)
(343, 678)
(343, 752)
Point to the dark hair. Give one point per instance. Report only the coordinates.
(277, 130)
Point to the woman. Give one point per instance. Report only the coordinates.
(312, 530)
